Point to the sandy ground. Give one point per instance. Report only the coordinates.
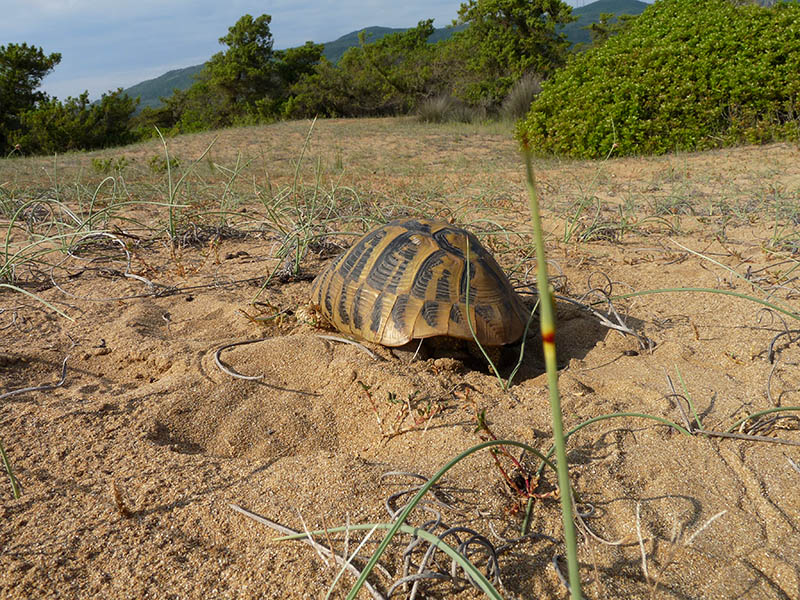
(128, 468)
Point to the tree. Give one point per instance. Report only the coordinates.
(22, 69)
(291, 65)
(607, 26)
(245, 72)
(77, 124)
(247, 83)
(385, 77)
(508, 38)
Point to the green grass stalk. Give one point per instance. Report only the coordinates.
(426, 535)
(688, 397)
(547, 323)
(14, 484)
(14, 288)
(401, 518)
(172, 189)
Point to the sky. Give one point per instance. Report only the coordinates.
(119, 43)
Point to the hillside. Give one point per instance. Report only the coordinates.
(152, 90)
(591, 14)
(335, 49)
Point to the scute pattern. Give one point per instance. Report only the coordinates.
(408, 279)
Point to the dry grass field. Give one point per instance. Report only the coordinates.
(128, 465)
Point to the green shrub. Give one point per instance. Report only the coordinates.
(107, 165)
(158, 163)
(77, 124)
(684, 75)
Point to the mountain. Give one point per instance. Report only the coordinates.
(152, 90)
(591, 14)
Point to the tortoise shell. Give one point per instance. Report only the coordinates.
(408, 279)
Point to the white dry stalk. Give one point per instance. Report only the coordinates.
(703, 527)
(287, 531)
(314, 544)
(641, 542)
(336, 338)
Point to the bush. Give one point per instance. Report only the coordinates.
(683, 76)
(76, 124)
(518, 102)
(386, 77)
(436, 109)
(108, 165)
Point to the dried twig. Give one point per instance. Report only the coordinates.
(231, 372)
(641, 542)
(344, 340)
(321, 549)
(40, 388)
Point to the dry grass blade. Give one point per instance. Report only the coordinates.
(230, 371)
(557, 569)
(641, 542)
(343, 340)
(40, 388)
(317, 546)
(704, 527)
(752, 438)
(674, 395)
(580, 519)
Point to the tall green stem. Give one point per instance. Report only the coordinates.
(549, 343)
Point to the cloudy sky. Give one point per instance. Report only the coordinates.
(104, 46)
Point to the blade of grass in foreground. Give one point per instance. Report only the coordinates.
(401, 518)
(14, 288)
(548, 341)
(7, 465)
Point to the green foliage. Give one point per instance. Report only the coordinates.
(508, 38)
(606, 26)
(77, 124)
(108, 165)
(385, 77)
(22, 69)
(578, 32)
(246, 84)
(682, 76)
(244, 72)
(158, 163)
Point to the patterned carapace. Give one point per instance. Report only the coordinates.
(408, 279)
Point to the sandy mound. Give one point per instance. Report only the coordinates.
(127, 469)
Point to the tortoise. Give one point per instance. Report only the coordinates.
(408, 280)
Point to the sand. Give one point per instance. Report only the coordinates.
(128, 468)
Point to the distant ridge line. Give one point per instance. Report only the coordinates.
(152, 90)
